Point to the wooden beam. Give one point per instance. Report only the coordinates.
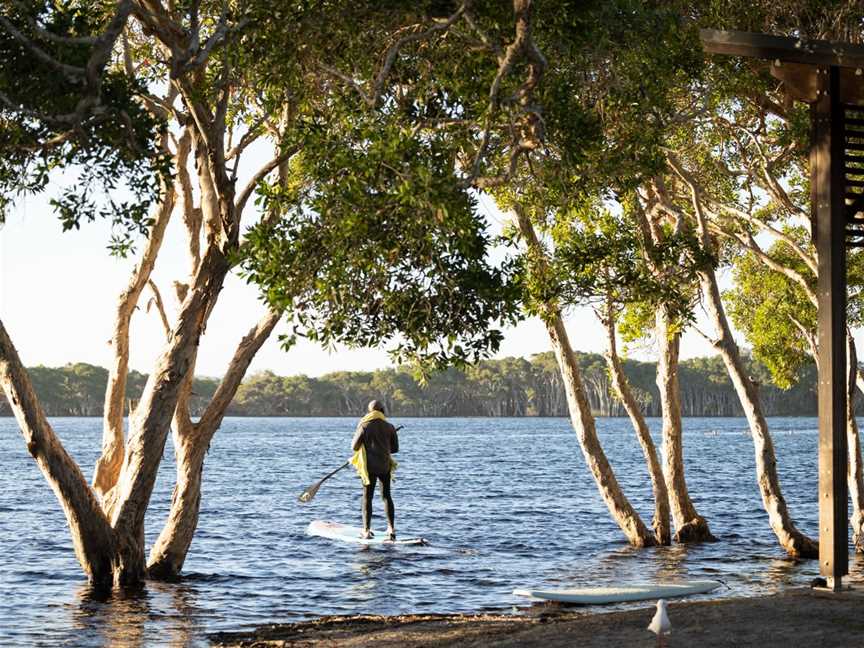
(782, 48)
(827, 176)
(798, 79)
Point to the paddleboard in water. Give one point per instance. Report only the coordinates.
(621, 593)
(345, 533)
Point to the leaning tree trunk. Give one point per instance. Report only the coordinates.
(855, 475)
(583, 423)
(580, 411)
(153, 416)
(689, 525)
(791, 539)
(660, 523)
(92, 536)
(191, 443)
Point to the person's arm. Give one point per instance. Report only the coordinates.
(358, 438)
(394, 442)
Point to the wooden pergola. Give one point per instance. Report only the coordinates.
(828, 76)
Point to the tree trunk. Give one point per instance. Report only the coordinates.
(583, 423)
(108, 465)
(169, 552)
(92, 536)
(791, 539)
(580, 411)
(153, 417)
(855, 476)
(660, 523)
(191, 444)
(689, 525)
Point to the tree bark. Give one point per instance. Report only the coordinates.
(583, 423)
(580, 411)
(92, 536)
(689, 525)
(791, 539)
(660, 523)
(110, 461)
(191, 443)
(154, 414)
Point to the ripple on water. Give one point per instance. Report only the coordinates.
(504, 503)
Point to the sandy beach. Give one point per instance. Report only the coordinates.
(799, 617)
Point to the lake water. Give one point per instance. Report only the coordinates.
(503, 503)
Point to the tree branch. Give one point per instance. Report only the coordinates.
(160, 307)
(108, 465)
(72, 73)
(247, 191)
(246, 350)
(91, 533)
(530, 133)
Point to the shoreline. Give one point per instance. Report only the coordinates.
(794, 617)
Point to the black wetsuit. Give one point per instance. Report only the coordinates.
(380, 440)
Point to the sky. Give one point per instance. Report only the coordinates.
(58, 292)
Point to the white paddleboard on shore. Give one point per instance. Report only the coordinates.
(345, 533)
(621, 593)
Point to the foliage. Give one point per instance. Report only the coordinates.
(381, 244)
(505, 387)
(608, 100)
(823, 19)
(601, 255)
(56, 112)
(78, 389)
(771, 309)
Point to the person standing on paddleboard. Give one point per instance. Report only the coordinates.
(374, 442)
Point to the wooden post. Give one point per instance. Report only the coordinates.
(827, 176)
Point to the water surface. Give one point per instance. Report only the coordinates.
(503, 502)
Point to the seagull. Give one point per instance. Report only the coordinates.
(660, 624)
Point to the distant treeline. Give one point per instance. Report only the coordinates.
(507, 387)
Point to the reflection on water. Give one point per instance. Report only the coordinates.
(780, 572)
(128, 618)
(504, 503)
(116, 620)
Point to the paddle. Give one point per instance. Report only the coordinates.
(309, 493)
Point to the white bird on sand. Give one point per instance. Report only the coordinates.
(660, 624)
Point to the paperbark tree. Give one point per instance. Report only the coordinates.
(747, 173)
(784, 334)
(596, 144)
(655, 232)
(790, 538)
(689, 525)
(660, 523)
(214, 95)
(581, 418)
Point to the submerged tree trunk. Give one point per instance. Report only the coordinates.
(660, 523)
(191, 443)
(580, 411)
(92, 536)
(791, 539)
(689, 525)
(583, 423)
(153, 417)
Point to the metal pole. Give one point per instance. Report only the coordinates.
(827, 176)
